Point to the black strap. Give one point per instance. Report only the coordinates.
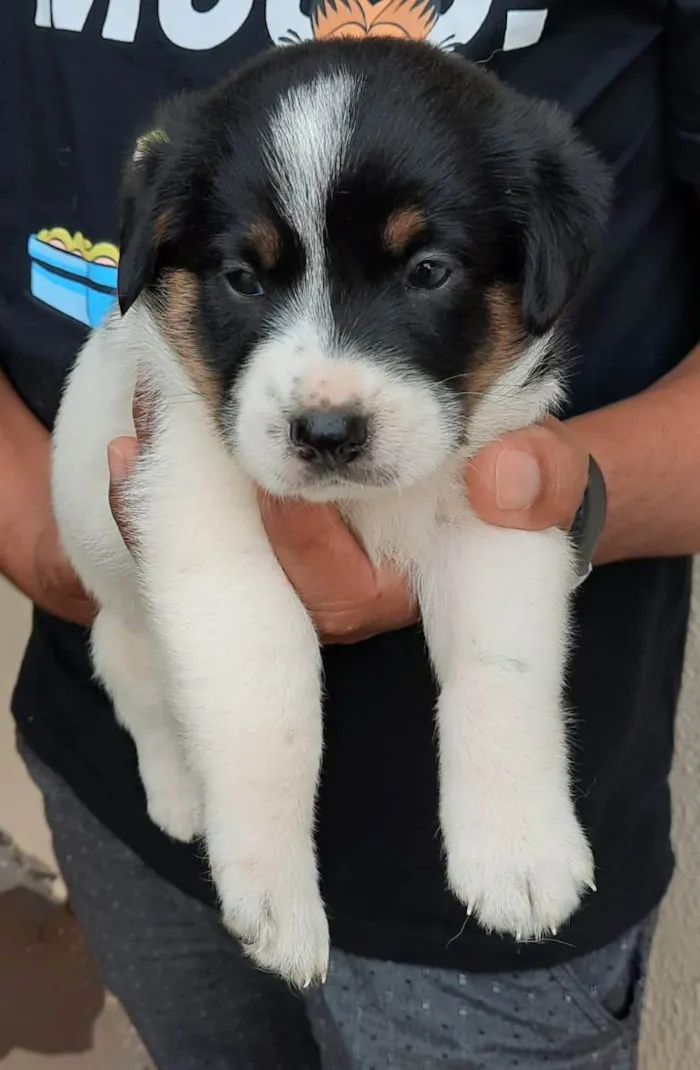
(589, 520)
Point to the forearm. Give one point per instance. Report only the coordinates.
(24, 482)
(649, 449)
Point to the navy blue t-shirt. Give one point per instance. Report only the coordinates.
(78, 79)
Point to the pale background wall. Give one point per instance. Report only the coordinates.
(671, 1036)
(671, 1039)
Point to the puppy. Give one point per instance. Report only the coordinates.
(343, 271)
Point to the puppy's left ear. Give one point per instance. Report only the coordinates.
(563, 210)
(146, 214)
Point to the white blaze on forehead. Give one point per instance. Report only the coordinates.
(309, 133)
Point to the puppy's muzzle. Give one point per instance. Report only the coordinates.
(329, 439)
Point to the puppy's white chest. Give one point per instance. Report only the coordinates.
(401, 526)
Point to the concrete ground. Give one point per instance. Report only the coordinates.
(55, 1015)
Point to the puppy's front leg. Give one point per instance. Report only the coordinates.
(495, 612)
(243, 665)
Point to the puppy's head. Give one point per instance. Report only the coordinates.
(359, 252)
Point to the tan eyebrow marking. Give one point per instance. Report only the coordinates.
(402, 226)
(266, 240)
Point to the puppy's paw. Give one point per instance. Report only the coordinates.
(276, 912)
(526, 880)
(174, 801)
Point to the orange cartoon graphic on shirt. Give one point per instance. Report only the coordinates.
(364, 18)
(446, 23)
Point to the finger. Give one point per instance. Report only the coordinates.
(320, 555)
(396, 598)
(63, 585)
(79, 607)
(393, 606)
(122, 454)
(83, 613)
(324, 563)
(310, 534)
(532, 479)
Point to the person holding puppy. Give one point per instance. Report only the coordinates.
(412, 983)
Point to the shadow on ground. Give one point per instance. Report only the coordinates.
(54, 1011)
(50, 994)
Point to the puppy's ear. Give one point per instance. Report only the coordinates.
(145, 214)
(563, 209)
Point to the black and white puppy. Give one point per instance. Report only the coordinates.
(343, 271)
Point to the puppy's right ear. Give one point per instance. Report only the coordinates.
(144, 215)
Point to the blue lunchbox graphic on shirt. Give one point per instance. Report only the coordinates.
(74, 275)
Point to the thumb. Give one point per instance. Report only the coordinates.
(122, 454)
(121, 457)
(532, 479)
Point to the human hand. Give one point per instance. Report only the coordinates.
(532, 479)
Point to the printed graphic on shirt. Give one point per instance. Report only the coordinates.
(72, 274)
(448, 24)
(190, 25)
(445, 23)
(182, 21)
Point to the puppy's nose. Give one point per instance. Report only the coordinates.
(334, 436)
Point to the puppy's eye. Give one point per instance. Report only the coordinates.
(244, 283)
(429, 273)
